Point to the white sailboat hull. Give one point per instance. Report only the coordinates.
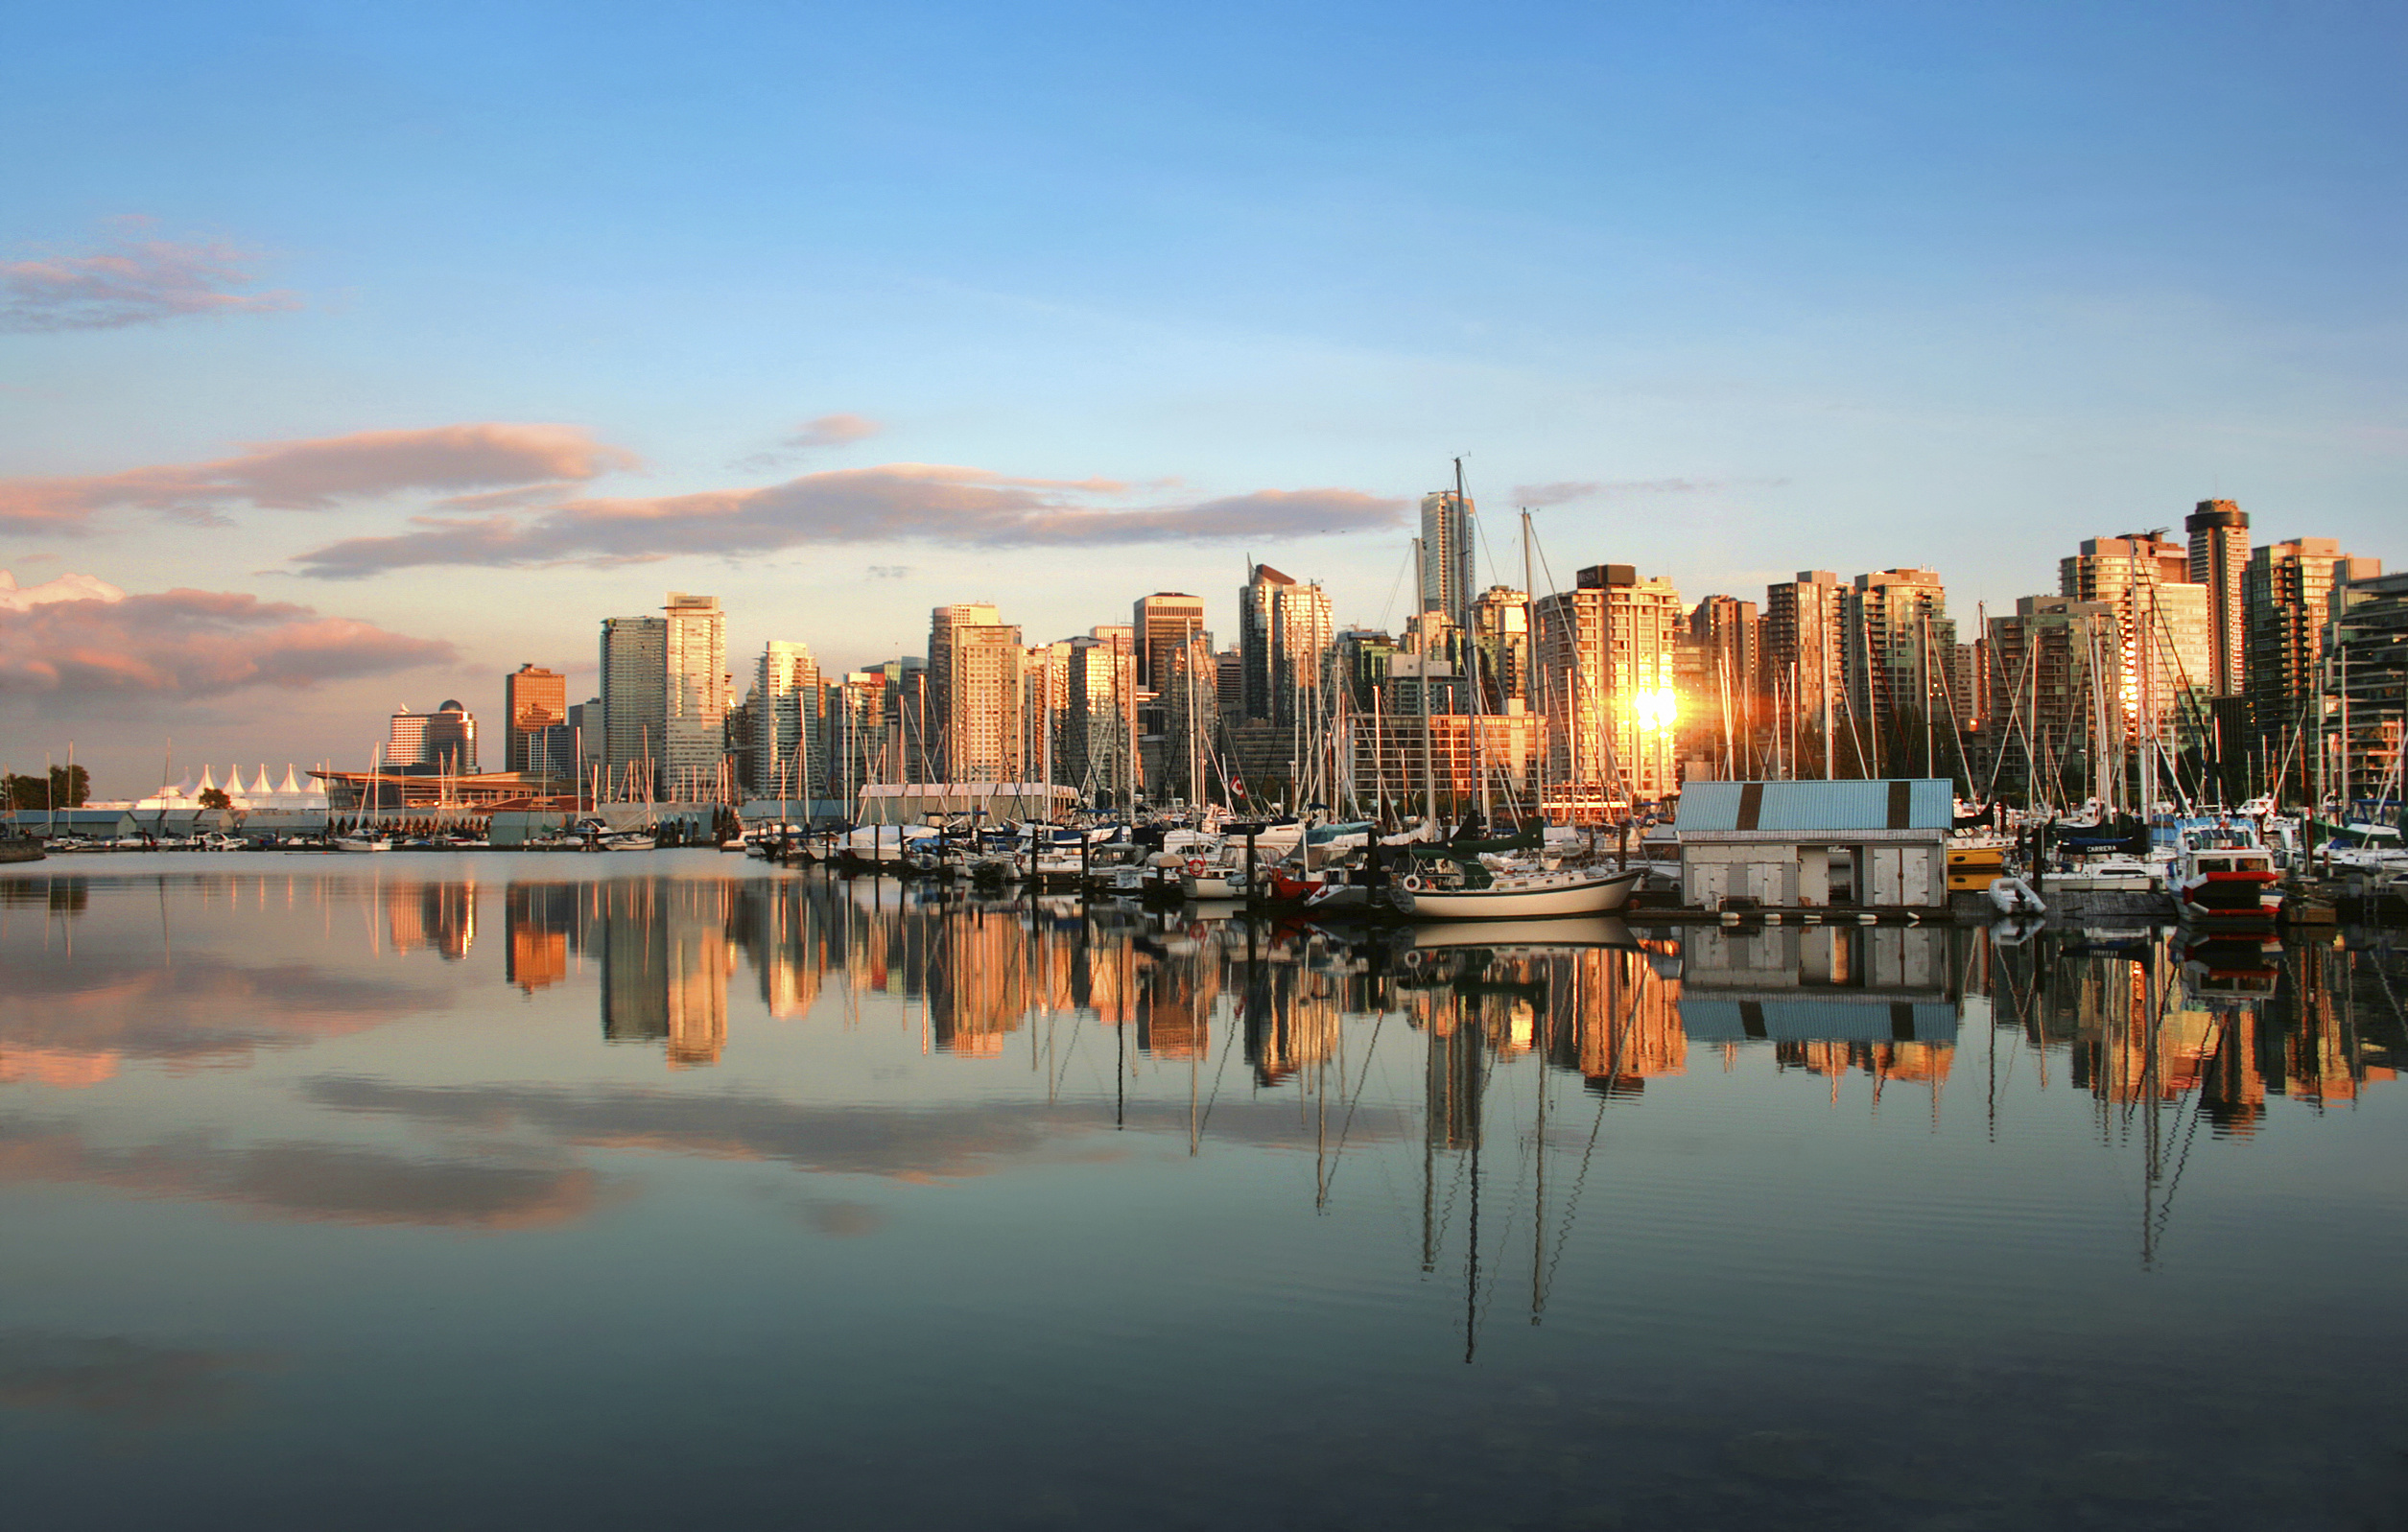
(1545, 894)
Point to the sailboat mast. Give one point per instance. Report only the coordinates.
(1430, 766)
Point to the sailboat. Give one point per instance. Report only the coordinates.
(1471, 891)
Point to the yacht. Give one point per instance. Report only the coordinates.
(2225, 883)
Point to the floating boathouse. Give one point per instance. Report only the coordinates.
(1790, 845)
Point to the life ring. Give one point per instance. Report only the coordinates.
(1197, 867)
(1412, 883)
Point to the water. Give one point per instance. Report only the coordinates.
(633, 1190)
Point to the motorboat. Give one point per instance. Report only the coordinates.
(885, 847)
(2227, 882)
(1200, 879)
(363, 842)
(2013, 897)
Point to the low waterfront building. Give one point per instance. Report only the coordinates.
(1810, 843)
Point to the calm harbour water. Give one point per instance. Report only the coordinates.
(644, 1190)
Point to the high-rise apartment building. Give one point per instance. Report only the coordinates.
(1605, 662)
(2047, 662)
(859, 735)
(1499, 647)
(589, 739)
(789, 741)
(1229, 681)
(1163, 623)
(1803, 653)
(1899, 644)
(1099, 718)
(1284, 627)
(694, 725)
(1192, 712)
(2218, 558)
(2164, 649)
(635, 704)
(2287, 600)
(1448, 581)
(533, 699)
(1358, 665)
(1045, 700)
(1728, 630)
(1722, 640)
(2367, 678)
(973, 714)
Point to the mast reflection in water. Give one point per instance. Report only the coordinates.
(321, 1179)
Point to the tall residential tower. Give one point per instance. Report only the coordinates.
(2219, 555)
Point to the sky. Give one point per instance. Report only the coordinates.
(352, 356)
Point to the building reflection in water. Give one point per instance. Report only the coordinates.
(538, 922)
(2125, 1017)
(431, 916)
(2162, 1016)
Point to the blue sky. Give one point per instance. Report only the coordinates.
(1790, 286)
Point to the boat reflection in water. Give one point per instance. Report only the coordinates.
(940, 1184)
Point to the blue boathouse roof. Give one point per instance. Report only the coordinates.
(1818, 807)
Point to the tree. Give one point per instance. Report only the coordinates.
(64, 787)
(215, 798)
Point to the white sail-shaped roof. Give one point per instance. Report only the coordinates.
(207, 782)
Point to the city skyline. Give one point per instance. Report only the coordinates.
(357, 415)
(698, 721)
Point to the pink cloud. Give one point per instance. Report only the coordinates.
(961, 506)
(834, 431)
(130, 281)
(15, 597)
(1561, 492)
(190, 644)
(316, 474)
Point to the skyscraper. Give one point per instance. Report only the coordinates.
(2045, 664)
(1499, 636)
(2219, 555)
(1899, 645)
(1803, 653)
(443, 740)
(1448, 581)
(1283, 628)
(2286, 596)
(533, 699)
(859, 735)
(635, 703)
(695, 655)
(2368, 638)
(1103, 682)
(788, 746)
(1723, 632)
(1605, 672)
(2162, 627)
(974, 695)
(1044, 702)
(1164, 622)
